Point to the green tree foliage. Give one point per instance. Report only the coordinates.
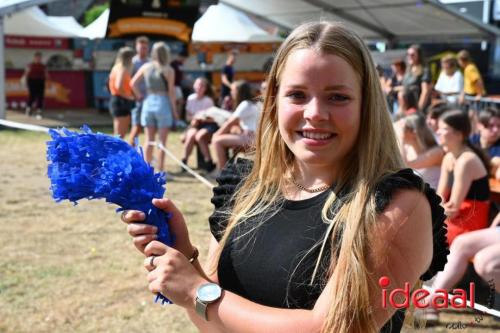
(93, 13)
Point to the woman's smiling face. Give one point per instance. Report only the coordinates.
(319, 107)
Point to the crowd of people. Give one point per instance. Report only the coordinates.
(455, 148)
(146, 93)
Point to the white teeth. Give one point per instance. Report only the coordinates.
(316, 136)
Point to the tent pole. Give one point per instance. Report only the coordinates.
(3, 110)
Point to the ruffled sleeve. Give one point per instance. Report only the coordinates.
(408, 179)
(230, 178)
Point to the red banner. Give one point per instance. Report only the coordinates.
(64, 89)
(25, 42)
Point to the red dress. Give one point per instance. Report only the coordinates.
(474, 210)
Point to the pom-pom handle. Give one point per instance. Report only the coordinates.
(159, 218)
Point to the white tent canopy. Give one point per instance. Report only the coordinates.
(97, 29)
(221, 23)
(33, 22)
(67, 23)
(390, 20)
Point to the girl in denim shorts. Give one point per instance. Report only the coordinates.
(158, 108)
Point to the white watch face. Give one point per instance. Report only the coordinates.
(208, 292)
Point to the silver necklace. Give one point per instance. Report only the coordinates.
(310, 190)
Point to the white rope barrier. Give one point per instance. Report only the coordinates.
(183, 165)
(37, 128)
(476, 306)
(28, 127)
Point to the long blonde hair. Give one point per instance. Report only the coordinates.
(374, 155)
(160, 52)
(124, 58)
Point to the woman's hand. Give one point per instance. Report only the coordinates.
(450, 210)
(171, 274)
(143, 233)
(195, 122)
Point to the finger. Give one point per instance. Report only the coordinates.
(177, 221)
(149, 263)
(155, 248)
(131, 216)
(155, 287)
(137, 229)
(166, 205)
(140, 242)
(152, 276)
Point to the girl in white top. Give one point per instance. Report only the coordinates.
(248, 114)
(245, 116)
(199, 132)
(200, 100)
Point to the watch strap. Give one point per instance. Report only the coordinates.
(201, 308)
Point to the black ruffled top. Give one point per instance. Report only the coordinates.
(268, 265)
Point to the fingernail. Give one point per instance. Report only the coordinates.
(142, 215)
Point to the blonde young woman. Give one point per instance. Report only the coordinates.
(122, 98)
(302, 234)
(158, 108)
(420, 150)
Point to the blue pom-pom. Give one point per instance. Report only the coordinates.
(98, 166)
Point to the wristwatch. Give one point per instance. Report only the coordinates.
(205, 294)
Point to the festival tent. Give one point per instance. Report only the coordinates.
(390, 20)
(33, 21)
(67, 23)
(97, 29)
(221, 23)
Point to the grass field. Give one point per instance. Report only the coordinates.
(74, 269)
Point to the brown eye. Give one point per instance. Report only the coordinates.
(296, 95)
(339, 98)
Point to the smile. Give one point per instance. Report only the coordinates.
(316, 135)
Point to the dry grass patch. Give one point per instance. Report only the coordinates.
(74, 269)
(66, 268)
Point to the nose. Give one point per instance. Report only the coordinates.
(314, 111)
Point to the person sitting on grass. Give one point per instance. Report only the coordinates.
(245, 117)
(200, 131)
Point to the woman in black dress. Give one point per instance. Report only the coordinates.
(303, 231)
